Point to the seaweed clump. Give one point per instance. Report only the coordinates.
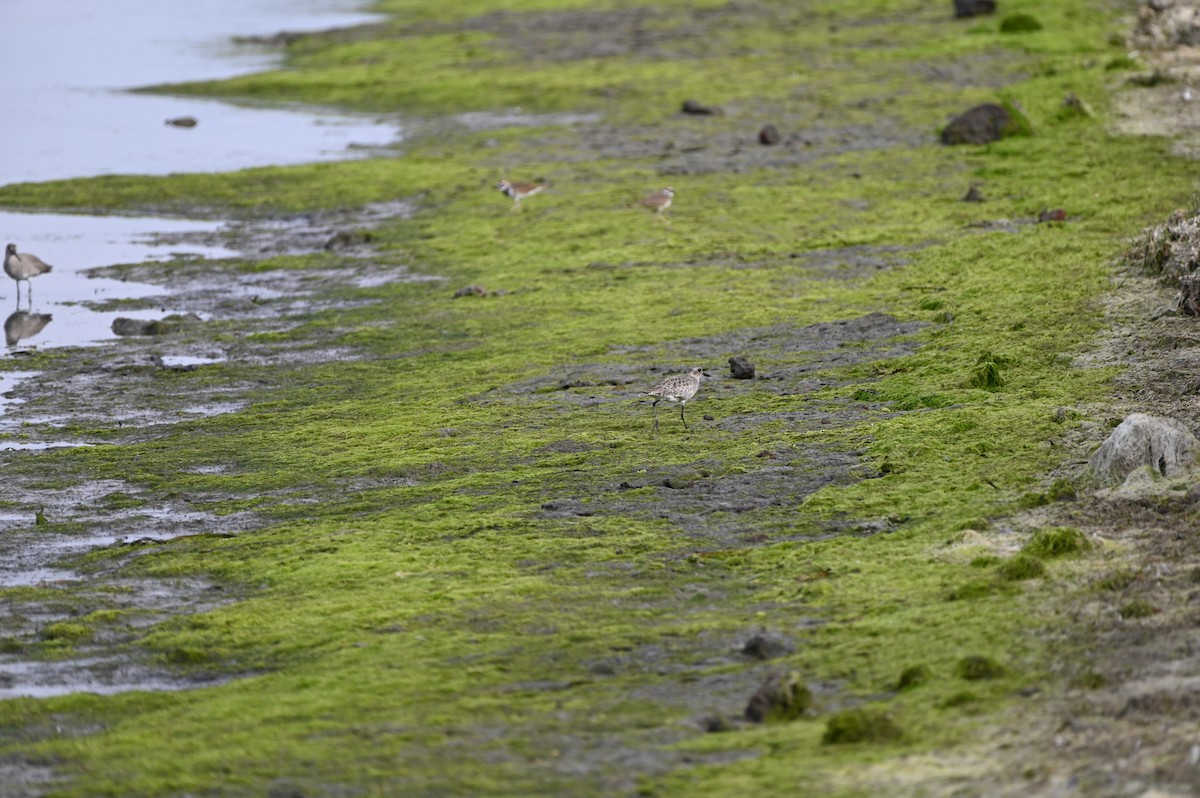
(1171, 251)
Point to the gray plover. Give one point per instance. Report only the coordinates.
(658, 202)
(518, 191)
(679, 388)
(23, 266)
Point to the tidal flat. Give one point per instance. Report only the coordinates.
(382, 511)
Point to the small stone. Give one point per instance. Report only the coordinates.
(700, 109)
(183, 121)
(982, 124)
(1052, 215)
(769, 135)
(973, 195)
(716, 723)
(470, 290)
(124, 326)
(764, 646)
(741, 368)
(973, 8)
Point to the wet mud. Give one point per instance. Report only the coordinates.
(119, 394)
(730, 503)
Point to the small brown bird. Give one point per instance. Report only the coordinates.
(658, 202)
(679, 388)
(22, 267)
(518, 191)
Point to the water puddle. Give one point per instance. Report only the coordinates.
(103, 676)
(57, 315)
(186, 363)
(39, 446)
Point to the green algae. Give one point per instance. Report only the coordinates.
(860, 726)
(410, 592)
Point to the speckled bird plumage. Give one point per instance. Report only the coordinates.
(678, 388)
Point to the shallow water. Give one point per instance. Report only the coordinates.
(66, 65)
(73, 244)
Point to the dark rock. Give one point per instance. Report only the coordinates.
(716, 723)
(973, 195)
(183, 121)
(764, 646)
(1052, 215)
(741, 368)
(980, 125)
(783, 696)
(700, 109)
(344, 239)
(974, 8)
(124, 326)
(768, 135)
(470, 290)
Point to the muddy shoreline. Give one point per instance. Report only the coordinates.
(720, 506)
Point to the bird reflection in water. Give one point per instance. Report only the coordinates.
(24, 324)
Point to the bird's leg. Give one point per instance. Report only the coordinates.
(516, 206)
(654, 407)
(681, 418)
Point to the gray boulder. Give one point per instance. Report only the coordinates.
(1163, 444)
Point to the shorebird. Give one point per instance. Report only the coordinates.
(679, 388)
(658, 202)
(22, 267)
(518, 191)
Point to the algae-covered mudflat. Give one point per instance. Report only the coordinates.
(388, 515)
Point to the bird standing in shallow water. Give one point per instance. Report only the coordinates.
(658, 202)
(23, 266)
(518, 192)
(679, 388)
